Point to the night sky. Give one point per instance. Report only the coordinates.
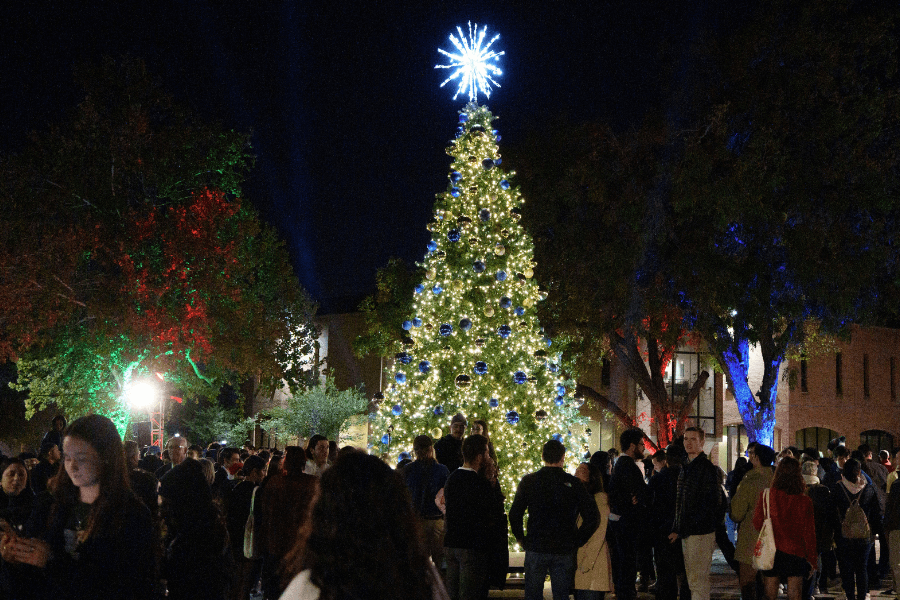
(349, 123)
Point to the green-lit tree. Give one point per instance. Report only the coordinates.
(321, 409)
(473, 343)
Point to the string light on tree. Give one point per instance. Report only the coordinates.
(480, 349)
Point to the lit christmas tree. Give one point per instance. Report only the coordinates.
(473, 344)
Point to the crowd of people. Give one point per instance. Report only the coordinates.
(93, 517)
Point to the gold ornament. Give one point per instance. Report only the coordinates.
(437, 433)
(463, 381)
(527, 302)
(489, 311)
(529, 273)
(430, 273)
(499, 250)
(480, 342)
(504, 233)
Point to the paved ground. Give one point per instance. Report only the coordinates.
(724, 586)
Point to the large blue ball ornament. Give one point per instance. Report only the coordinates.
(403, 456)
(459, 132)
(432, 246)
(403, 357)
(420, 288)
(548, 341)
(512, 417)
(520, 377)
(560, 400)
(407, 325)
(446, 329)
(560, 389)
(504, 331)
(504, 184)
(481, 368)
(386, 439)
(501, 275)
(498, 161)
(400, 377)
(558, 437)
(484, 215)
(455, 176)
(436, 289)
(424, 366)
(463, 117)
(553, 368)
(487, 164)
(465, 324)
(494, 403)
(438, 410)
(396, 410)
(478, 266)
(505, 302)
(417, 322)
(454, 192)
(496, 134)
(520, 310)
(453, 235)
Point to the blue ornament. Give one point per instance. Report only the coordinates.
(438, 410)
(487, 164)
(498, 161)
(453, 235)
(504, 184)
(407, 325)
(465, 324)
(505, 302)
(520, 377)
(417, 322)
(512, 417)
(437, 289)
(403, 357)
(480, 367)
(501, 275)
(424, 366)
(420, 288)
(396, 410)
(553, 368)
(455, 176)
(446, 329)
(403, 456)
(400, 377)
(520, 310)
(494, 402)
(386, 439)
(496, 135)
(504, 331)
(459, 132)
(560, 400)
(478, 266)
(463, 117)
(558, 437)
(454, 192)
(484, 215)
(432, 246)
(560, 389)
(548, 341)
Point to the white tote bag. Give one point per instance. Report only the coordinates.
(764, 551)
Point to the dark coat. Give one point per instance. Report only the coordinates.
(198, 564)
(425, 478)
(663, 491)
(868, 500)
(15, 510)
(627, 483)
(448, 452)
(700, 503)
(826, 516)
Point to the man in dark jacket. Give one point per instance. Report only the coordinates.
(699, 509)
(471, 507)
(554, 500)
(663, 491)
(425, 477)
(628, 512)
(448, 449)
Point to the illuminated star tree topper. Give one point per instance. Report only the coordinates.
(472, 63)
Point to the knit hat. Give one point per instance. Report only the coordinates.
(458, 418)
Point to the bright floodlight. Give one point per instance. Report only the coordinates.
(141, 395)
(472, 65)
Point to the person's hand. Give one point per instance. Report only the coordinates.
(440, 501)
(673, 537)
(31, 551)
(6, 543)
(634, 500)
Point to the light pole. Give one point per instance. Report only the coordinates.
(143, 395)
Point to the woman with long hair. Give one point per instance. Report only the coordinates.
(794, 528)
(76, 537)
(593, 573)
(853, 554)
(361, 540)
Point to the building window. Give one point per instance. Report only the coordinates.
(877, 440)
(866, 375)
(814, 437)
(838, 383)
(681, 373)
(804, 385)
